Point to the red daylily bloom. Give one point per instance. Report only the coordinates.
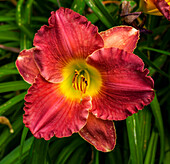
(82, 80)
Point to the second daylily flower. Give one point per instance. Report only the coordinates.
(156, 7)
(82, 80)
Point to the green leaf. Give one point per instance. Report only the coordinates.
(145, 125)
(80, 155)
(105, 12)
(156, 50)
(5, 72)
(13, 86)
(28, 11)
(93, 18)
(4, 107)
(40, 19)
(158, 62)
(150, 63)
(38, 152)
(60, 143)
(78, 6)
(98, 13)
(167, 148)
(68, 150)
(159, 124)
(13, 156)
(6, 18)
(23, 23)
(23, 137)
(9, 36)
(8, 66)
(151, 151)
(8, 27)
(95, 159)
(134, 136)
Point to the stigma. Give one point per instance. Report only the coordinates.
(81, 80)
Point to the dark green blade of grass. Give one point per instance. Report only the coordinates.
(115, 156)
(167, 148)
(38, 152)
(159, 62)
(151, 151)
(21, 20)
(93, 18)
(68, 150)
(95, 158)
(78, 6)
(80, 155)
(13, 156)
(145, 117)
(159, 124)
(6, 18)
(60, 143)
(28, 11)
(150, 63)
(134, 136)
(11, 102)
(156, 50)
(125, 152)
(11, 44)
(9, 36)
(23, 137)
(105, 12)
(8, 27)
(8, 66)
(98, 13)
(5, 72)
(13, 86)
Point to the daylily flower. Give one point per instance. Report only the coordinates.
(156, 7)
(82, 80)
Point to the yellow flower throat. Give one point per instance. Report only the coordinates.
(80, 79)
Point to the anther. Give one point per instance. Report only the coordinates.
(86, 83)
(74, 81)
(79, 81)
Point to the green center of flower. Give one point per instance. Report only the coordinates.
(80, 79)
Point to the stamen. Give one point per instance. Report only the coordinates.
(77, 83)
(81, 80)
(81, 83)
(74, 81)
(86, 84)
(76, 73)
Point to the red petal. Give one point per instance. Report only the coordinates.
(126, 88)
(100, 133)
(163, 7)
(48, 112)
(122, 37)
(26, 65)
(68, 36)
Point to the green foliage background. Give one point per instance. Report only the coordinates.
(141, 138)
